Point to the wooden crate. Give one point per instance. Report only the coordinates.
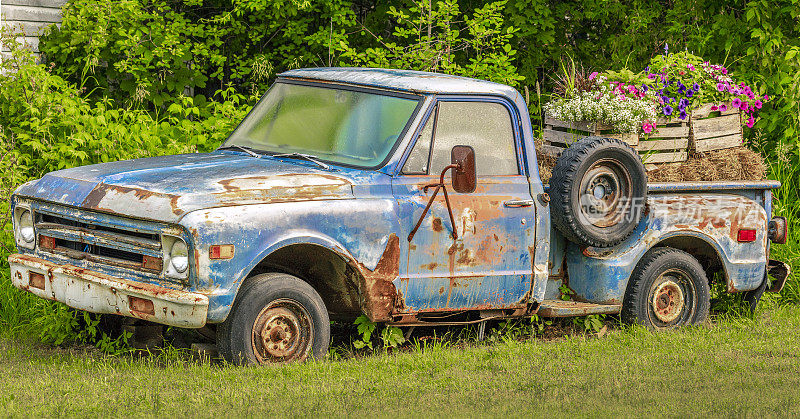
(715, 130)
(668, 143)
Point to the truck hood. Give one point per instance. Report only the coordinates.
(165, 188)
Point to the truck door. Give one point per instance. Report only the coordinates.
(489, 264)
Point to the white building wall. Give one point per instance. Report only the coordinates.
(30, 17)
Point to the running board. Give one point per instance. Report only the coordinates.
(561, 308)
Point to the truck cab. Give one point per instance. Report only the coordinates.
(413, 198)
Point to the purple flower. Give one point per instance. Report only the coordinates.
(682, 115)
(690, 93)
(667, 110)
(644, 87)
(720, 87)
(696, 87)
(736, 102)
(723, 107)
(666, 49)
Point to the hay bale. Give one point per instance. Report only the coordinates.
(739, 163)
(546, 163)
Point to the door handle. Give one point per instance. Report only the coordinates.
(516, 203)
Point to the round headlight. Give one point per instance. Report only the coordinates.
(179, 256)
(26, 226)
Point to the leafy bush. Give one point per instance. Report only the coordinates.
(151, 51)
(45, 125)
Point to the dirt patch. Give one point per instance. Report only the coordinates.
(739, 163)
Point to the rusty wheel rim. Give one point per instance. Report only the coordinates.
(605, 193)
(672, 299)
(282, 333)
(668, 301)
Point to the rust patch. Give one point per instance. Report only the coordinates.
(431, 266)
(437, 224)
(94, 199)
(465, 258)
(380, 295)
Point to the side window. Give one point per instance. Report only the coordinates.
(417, 162)
(485, 126)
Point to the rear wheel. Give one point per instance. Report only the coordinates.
(277, 318)
(667, 289)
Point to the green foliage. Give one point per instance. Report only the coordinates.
(592, 323)
(46, 125)
(151, 51)
(365, 329)
(391, 337)
(432, 37)
(566, 292)
(58, 324)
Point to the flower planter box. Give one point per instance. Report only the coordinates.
(667, 144)
(715, 130)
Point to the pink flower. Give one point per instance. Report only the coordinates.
(743, 106)
(690, 67)
(750, 122)
(647, 128)
(758, 104)
(766, 98)
(714, 108)
(723, 107)
(592, 76)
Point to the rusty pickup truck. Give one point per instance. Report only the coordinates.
(413, 198)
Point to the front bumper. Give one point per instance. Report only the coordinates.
(100, 293)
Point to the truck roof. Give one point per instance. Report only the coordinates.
(403, 80)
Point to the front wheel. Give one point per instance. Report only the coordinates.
(667, 289)
(276, 318)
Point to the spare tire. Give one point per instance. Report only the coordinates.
(598, 191)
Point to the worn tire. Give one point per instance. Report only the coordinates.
(668, 289)
(276, 318)
(598, 190)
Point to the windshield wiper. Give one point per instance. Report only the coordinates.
(304, 156)
(247, 150)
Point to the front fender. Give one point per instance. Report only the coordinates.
(359, 230)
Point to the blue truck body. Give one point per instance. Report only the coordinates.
(344, 229)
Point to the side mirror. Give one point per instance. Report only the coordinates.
(464, 177)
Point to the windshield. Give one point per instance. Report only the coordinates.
(334, 124)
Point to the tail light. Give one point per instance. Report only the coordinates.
(746, 235)
(778, 229)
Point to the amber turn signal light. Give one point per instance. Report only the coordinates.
(220, 251)
(746, 235)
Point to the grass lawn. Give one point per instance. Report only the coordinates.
(736, 367)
